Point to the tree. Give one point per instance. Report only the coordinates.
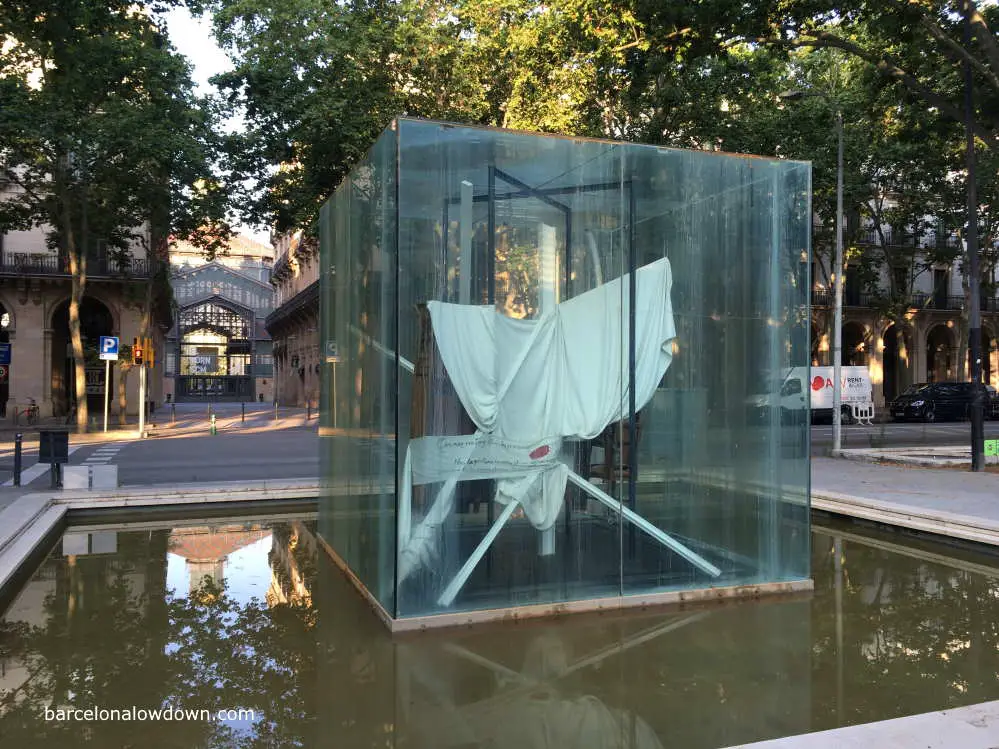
(317, 81)
(101, 139)
(918, 45)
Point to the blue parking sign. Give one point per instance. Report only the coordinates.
(108, 349)
(5, 354)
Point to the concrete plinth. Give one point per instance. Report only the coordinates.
(75, 477)
(104, 477)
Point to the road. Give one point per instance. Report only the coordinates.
(899, 435)
(262, 448)
(185, 451)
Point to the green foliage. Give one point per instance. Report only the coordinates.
(101, 137)
(318, 80)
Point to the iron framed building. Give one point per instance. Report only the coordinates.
(218, 348)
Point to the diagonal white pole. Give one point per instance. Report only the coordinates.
(455, 586)
(695, 559)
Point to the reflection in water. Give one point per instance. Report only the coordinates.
(259, 619)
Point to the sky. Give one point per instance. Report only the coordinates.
(193, 38)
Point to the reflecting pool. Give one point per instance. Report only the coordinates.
(247, 616)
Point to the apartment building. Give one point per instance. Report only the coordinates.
(294, 323)
(35, 288)
(926, 344)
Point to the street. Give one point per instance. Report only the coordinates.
(261, 448)
(183, 450)
(899, 435)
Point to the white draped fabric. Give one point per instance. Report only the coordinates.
(528, 384)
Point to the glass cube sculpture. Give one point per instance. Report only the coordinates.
(559, 374)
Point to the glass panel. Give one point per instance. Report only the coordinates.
(359, 383)
(495, 428)
(723, 453)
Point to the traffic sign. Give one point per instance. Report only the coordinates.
(5, 353)
(332, 352)
(109, 348)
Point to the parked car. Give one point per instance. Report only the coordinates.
(933, 401)
(992, 407)
(940, 401)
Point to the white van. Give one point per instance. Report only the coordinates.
(857, 390)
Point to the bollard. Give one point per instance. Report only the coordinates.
(275, 410)
(242, 413)
(17, 458)
(308, 410)
(173, 413)
(213, 431)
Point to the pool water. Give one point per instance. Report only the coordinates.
(248, 614)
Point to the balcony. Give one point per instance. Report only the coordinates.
(937, 242)
(99, 265)
(824, 298)
(919, 300)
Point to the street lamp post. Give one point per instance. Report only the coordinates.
(837, 348)
(977, 413)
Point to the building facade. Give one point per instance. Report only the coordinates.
(294, 323)
(925, 346)
(35, 288)
(218, 348)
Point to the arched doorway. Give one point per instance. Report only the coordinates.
(898, 355)
(216, 351)
(95, 320)
(940, 362)
(854, 345)
(990, 357)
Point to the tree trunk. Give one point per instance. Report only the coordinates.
(963, 326)
(78, 275)
(122, 398)
(76, 338)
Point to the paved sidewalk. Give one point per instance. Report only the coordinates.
(164, 424)
(953, 456)
(954, 503)
(972, 727)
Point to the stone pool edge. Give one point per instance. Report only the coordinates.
(926, 520)
(32, 518)
(970, 727)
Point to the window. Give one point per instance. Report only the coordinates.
(791, 387)
(941, 283)
(851, 287)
